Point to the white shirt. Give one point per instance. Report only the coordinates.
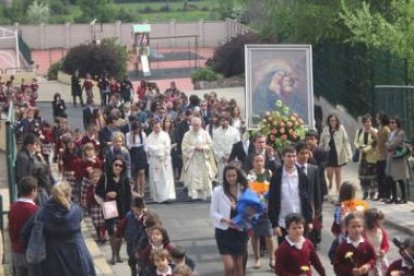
(290, 200)
(220, 207)
(298, 244)
(304, 167)
(26, 200)
(138, 142)
(354, 243)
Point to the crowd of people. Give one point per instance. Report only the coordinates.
(144, 138)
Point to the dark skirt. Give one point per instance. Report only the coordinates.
(367, 171)
(138, 159)
(263, 227)
(332, 156)
(231, 241)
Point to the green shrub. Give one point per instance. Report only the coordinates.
(165, 8)
(228, 59)
(53, 70)
(94, 59)
(125, 15)
(204, 74)
(148, 9)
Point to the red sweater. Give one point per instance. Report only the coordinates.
(290, 259)
(363, 254)
(19, 213)
(97, 164)
(397, 266)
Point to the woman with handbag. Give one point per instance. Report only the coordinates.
(114, 193)
(397, 167)
(365, 144)
(66, 251)
(334, 140)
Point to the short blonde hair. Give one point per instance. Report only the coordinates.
(61, 193)
(116, 135)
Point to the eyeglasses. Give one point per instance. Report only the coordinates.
(118, 165)
(392, 122)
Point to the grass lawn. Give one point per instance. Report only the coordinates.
(152, 11)
(174, 6)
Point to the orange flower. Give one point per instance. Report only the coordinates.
(259, 187)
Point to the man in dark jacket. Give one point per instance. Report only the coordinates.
(25, 161)
(288, 193)
(76, 88)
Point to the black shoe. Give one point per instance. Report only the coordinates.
(365, 196)
(401, 201)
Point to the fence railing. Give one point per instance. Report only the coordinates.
(11, 151)
(25, 50)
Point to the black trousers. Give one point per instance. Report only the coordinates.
(384, 190)
(402, 189)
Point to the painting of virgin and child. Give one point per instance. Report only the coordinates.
(278, 72)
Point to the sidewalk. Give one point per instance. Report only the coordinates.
(399, 216)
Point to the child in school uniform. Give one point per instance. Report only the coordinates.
(132, 229)
(180, 258)
(93, 207)
(160, 259)
(354, 256)
(346, 192)
(158, 239)
(296, 254)
(377, 237)
(405, 265)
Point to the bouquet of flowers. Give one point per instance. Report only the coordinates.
(281, 126)
(354, 205)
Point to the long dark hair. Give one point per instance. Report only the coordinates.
(123, 172)
(241, 179)
(346, 192)
(338, 123)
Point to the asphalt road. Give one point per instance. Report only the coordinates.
(189, 226)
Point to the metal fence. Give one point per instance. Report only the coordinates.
(397, 100)
(347, 74)
(25, 50)
(11, 149)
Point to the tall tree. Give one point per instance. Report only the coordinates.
(39, 12)
(102, 10)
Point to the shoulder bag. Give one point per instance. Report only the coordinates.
(109, 208)
(36, 247)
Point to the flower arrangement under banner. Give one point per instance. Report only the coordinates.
(282, 127)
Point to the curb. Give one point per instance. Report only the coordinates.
(401, 228)
(101, 266)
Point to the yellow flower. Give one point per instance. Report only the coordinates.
(304, 268)
(349, 255)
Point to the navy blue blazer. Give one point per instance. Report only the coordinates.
(275, 192)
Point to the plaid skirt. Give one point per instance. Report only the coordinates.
(86, 183)
(47, 148)
(75, 185)
(367, 171)
(95, 212)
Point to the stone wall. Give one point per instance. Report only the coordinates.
(224, 83)
(210, 33)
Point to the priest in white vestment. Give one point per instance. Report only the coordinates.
(199, 166)
(223, 139)
(161, 178)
